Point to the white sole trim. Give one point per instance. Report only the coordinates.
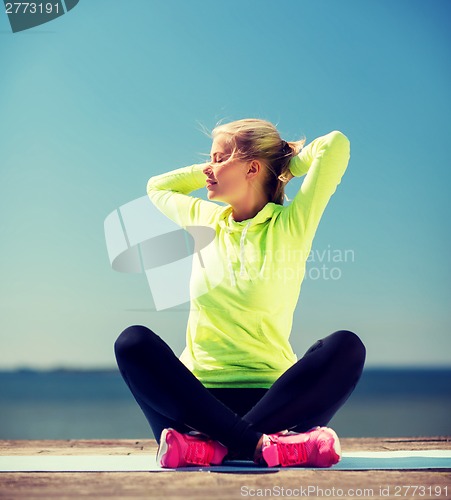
(163, 448)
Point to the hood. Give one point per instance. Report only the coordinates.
(267, 212)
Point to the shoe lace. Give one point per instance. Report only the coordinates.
(199, 453)
(292, 453)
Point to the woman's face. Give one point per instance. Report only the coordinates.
(227, 178)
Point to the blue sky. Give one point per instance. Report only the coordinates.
(102, 98)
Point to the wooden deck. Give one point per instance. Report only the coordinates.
(204, 485)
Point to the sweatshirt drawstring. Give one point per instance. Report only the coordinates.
(229, 247)
(242, 254)
(229, 261)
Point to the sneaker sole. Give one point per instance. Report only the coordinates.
(337, 446)
(163, 448)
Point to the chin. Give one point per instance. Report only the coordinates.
(211, 195)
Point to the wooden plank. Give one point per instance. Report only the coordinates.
(200, 485)
(145, 446)
(196, 485)
(78, 447)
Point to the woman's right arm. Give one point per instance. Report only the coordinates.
(169, 193)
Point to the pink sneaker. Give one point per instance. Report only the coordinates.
(318, 447)
(185, 450)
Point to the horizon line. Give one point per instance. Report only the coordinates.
(87, 369)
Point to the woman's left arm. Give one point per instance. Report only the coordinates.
(324, 162)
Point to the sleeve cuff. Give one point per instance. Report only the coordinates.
(297, 167)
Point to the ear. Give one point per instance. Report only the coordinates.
(253, 169)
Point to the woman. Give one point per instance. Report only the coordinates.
(238, 390)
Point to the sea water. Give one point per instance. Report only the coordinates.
(64, 404)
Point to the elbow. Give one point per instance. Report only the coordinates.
(340, 141)
(150, 185)
(338, 137)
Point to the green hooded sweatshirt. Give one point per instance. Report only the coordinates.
(245, 284)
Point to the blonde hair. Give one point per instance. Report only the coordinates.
(254, 139)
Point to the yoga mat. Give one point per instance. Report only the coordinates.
(362, 460)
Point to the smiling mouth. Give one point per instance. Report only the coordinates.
(210, 183)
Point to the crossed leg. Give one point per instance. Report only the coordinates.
(306, 395)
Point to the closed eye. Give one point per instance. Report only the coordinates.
(220, 159)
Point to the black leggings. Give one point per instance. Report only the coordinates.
(308, 394)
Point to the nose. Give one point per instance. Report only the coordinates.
(207, 169)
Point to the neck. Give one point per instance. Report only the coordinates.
(247, 209)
